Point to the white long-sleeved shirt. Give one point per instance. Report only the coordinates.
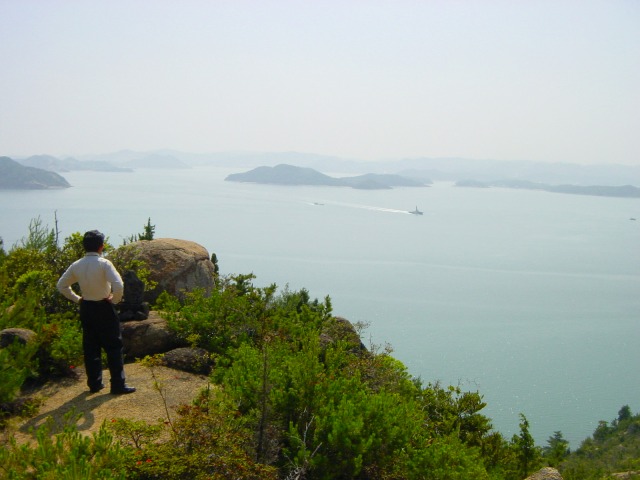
(97, 277)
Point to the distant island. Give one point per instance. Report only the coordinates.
(627, 191)
(14, 176)
(291, 175)
(606, 180)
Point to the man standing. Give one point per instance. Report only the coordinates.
(101, 287)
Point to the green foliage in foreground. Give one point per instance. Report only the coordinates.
(68, 455)
(320, 405)
(613, 447)
(296, 396)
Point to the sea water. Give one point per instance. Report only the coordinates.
(530, 298)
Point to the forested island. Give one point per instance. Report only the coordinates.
(18, 177)
(294, 393)
(284, 174)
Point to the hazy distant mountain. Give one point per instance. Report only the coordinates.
(596, 190)
(239, 159)
(48, 162)
(16, 176)
(292, 175)
(131, 159)
(384, 180)
(454, 169)
(256, 159)
(421, 169)
(446, 169)
(156, 161)
(117, 158)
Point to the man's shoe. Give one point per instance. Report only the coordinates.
(122, 390)
(97, 388)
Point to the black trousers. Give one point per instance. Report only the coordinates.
(101, 330)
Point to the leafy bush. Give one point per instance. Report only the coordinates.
(225, 319)
(208, 441)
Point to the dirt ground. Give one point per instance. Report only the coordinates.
(145, 404)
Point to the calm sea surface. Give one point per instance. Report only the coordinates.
(532, 298)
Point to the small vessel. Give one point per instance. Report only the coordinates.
(415, 212)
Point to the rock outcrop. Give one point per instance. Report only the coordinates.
(546, 473)
(139, 338)
(22, 335)
(194, 360)
(341, 329)
(148, 337)
(177, 266)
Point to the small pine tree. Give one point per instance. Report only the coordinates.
(556, 450)
(216, 268)
(525, 448)
(624, 413)
(149, 231)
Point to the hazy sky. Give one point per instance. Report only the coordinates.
(517, 79)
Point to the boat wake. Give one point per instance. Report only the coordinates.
(373, 208)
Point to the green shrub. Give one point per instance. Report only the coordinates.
(58, 342)
(298, 395)
(229, 316)
(68, 456)
(16, 365)
(613, 447)
(60, 345)
(125, 258)
(444, 458)
(209, 440)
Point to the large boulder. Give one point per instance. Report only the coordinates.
(148, 337)
(21, 335)
(194, 360)
(177, 266)
(546, 473)
(341, 329)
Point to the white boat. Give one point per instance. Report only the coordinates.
(415, 212)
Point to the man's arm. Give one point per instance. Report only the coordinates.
(64, 286)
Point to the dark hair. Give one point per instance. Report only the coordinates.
(92, 241)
